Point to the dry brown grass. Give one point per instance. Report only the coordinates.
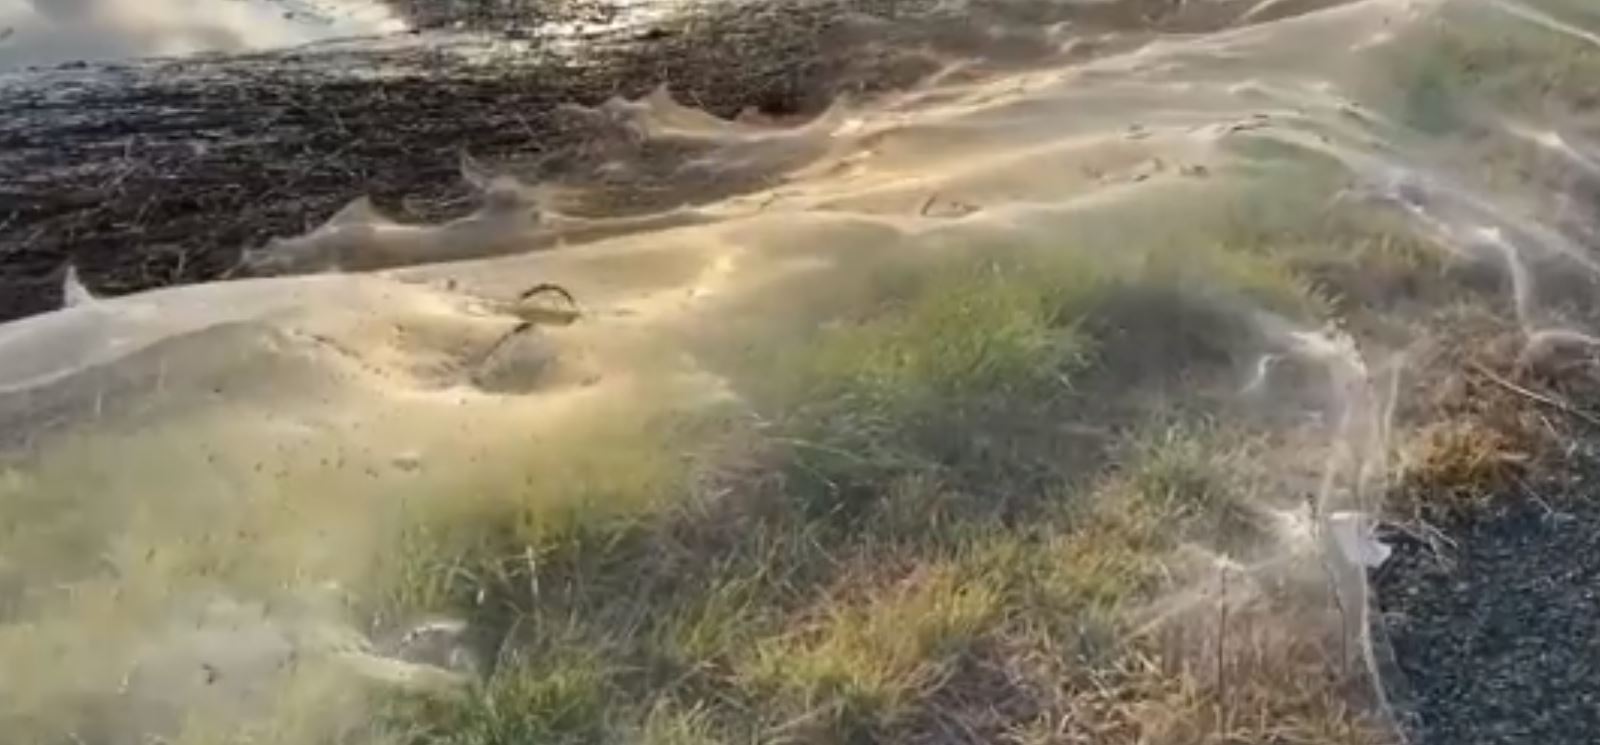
(1250, 674)
(1482, 422)
(1457, 466)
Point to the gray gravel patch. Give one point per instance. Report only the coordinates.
(1496, 639)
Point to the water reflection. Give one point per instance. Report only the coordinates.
(48, 32)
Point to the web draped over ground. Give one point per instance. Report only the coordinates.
(216, 477)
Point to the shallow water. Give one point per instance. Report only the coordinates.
(51, 32)
(212, 472)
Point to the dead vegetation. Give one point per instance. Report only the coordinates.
(1486, 423)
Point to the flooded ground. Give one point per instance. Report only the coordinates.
(53, 32)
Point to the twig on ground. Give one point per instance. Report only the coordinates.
(1550, 513)
(1545, 399)
(182, 264)
(1222, 659)
(528, 130)
(548, 288)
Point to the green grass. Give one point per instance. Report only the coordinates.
(1464, 83)
(957, 501)
(558, 700)
(900, 391)
(952, 503)
(860, 666)
(582, 498)
(907, 546)
(1484, 56)
(1207, 481)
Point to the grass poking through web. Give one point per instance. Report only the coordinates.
(915, 543)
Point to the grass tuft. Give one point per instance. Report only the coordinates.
(863, 664)
(917, 544)
(560, 699)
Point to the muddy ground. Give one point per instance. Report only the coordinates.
(155, 173)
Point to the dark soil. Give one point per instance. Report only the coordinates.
(1496, 632)
(155, 173)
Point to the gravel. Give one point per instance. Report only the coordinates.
(1497, 638)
